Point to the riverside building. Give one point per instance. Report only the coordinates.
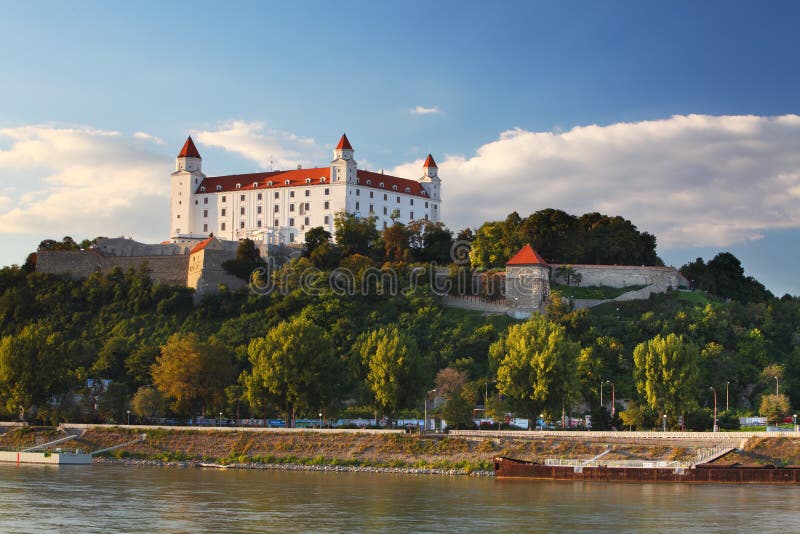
(278, 207)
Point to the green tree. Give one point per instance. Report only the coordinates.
(666, 373)
(774, 407)
(296, 363)
(397, 373)
(355, 235)
(537, 366)
(147, 403)
(314, 238)
(458, 410)
(192, 373)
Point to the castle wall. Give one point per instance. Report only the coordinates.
(624, 276)
(82, 263)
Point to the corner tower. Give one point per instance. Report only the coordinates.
(185, 181)
(343, 166)
(430, 180)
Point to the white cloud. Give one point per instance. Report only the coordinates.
(256, 143)
(83, 182)
(148, 137)
(422, 110)
(692, 180)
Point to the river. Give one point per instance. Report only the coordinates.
(112, 498)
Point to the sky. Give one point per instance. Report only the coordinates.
(680, 116)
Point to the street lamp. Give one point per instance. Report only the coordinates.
(220, 418)
(426, 410)
(612, 399)
(726, 396)
(541, 421)
(715, 407)
(601, 393)
(129, 418)
(665, 423)
(776, 387)
(320, 419)
(794, 422)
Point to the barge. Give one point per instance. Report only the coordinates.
(707, 473)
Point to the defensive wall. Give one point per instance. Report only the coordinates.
(623, 276)
(82, 263)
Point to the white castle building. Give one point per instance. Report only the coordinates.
(278, 207)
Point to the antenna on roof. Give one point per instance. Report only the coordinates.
(270, 163)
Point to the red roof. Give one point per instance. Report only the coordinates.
(189, 150)
(299, 177)
(344, 143)
(201, 245)
(526, 256)
(429, 162)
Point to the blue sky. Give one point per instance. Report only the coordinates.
(679, 115)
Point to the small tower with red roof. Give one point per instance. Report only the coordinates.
(185, 181)
(527, 281)
(430, 180)
(343, 166)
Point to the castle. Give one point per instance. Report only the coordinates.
(278, 207)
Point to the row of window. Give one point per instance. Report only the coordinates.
(259, 196)
(269, 184)
(306, 206)
(277, 223)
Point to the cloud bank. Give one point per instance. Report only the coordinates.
(422, 110)
(693, 180)
(81, 181)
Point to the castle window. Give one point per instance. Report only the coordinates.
(327, 219)
(385, 197)
(222, 212)
(241, 225)
(258, 223)
(195, 203)
(224, 198)
(308, 192)
(222, 227)
(369, 182)
(269, 184)
(241, 198)
(205, 200)
(398, 200)
(205, 213)
(426, 217)
(408, 189)
(276, 208)
(255, 184)
(258, 209)
(371, 208)
(258, 197)
(384, 225)
(380, 185)
(291, 237)
(322, 180)
(426, 204)
(291, 221)
(358, 192)
(287, 182)
(358, 206)
(238, 186)
(371, 194)
(384, 210)
(411, 216)
(291, 207)
(202, 188)
(306, 220)
(291, 194)
(277, 223)
(394, 188)
(308, 180)
(327, 191)
(358, 181)
(241, 210)
(308, 206)
(327, 205)
(277, 195)
(411, 200)
(219, 188)
(179, 216)
(205, 228)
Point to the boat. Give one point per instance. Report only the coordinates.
(705, 473)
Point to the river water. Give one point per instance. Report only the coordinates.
(111, 498)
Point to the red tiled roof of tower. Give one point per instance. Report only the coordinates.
(526, 256)
(344, 143)
(299, 177)
(201, 245)
(189, 150)
(429, 162)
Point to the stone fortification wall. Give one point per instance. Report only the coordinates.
(122, 246)
(82, 263)
(205, 272)
(625, 276)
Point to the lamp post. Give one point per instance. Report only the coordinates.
(726, 398)
(129, 418)
(776, 388)
(320, 419)
(601, 393)
(541, 421)
(664, 424)
(794, 422)
(220, 418)
(715, 407)
(425, 422)
(613, 400)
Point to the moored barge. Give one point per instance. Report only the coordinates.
(708, 473)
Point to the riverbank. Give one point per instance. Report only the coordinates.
(382, 452)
